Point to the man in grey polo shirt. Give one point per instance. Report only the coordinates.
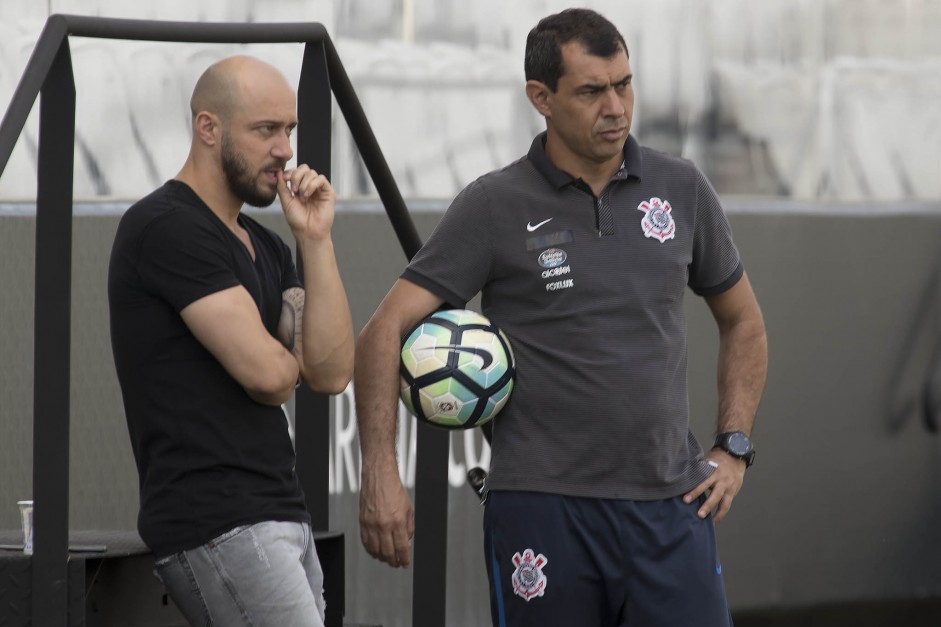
(600, 501)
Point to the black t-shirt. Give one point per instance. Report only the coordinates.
(209, 457)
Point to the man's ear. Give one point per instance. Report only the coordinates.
(538, 94)
(206, 125)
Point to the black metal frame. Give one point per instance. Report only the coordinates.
(49, 73)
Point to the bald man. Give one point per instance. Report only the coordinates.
(211, 331)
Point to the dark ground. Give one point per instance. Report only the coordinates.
(926, 613)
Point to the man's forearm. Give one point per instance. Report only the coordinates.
(375, 384)
(325, 332)
(742, 370)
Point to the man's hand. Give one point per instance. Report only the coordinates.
(322, 326)
(386, 517)
(308, 201)
(723, 485)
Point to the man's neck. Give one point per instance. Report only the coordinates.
(595, 174)
(212, 191)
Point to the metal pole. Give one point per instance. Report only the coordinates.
(52, 343)
(369, 149)
(429, 584)
(312, 410)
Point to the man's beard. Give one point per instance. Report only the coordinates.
(239, 178)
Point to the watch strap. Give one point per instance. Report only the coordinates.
(722, 442)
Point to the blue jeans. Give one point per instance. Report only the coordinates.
(261, 575)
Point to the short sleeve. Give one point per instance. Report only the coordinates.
(716, 264)
(455, 262)
(184, 257)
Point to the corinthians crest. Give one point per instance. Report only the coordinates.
(528, 579)
(657, 221)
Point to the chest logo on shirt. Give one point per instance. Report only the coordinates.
(657, 222)
(532, 227)
(552, 260)
(528, 579)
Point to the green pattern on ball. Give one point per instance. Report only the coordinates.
(418, 352)
(461, 367)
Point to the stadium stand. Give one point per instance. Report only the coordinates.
(767, 97)
(107, 128)
(159, 105)
(883, 129)
(18, 180)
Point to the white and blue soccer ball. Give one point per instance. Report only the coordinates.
(457, 369)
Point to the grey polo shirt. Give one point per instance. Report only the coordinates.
(590, 293)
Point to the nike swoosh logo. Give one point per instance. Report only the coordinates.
(532, 227)
(483, 353)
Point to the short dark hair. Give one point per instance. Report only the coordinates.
(543, 60)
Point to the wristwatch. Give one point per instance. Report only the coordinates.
(736, 444)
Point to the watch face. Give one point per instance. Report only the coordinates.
(738, 444)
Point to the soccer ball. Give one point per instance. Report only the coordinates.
(457, 369)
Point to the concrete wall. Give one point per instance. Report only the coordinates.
(843, 503)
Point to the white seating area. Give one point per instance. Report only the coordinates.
(839, 96)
